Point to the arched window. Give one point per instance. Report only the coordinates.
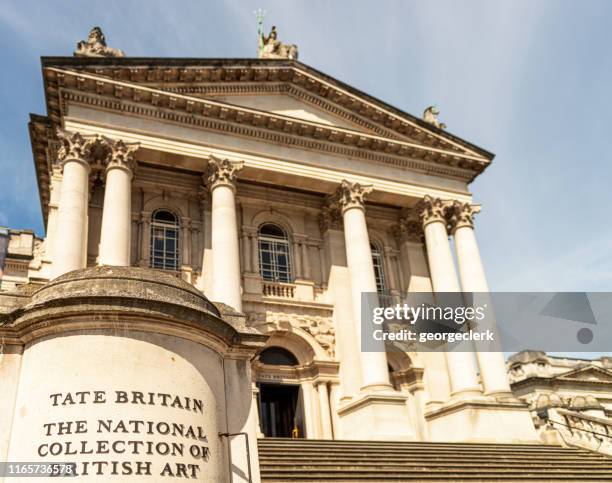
(277, 356)
(274, 259)
(164, 240)
(379, 271)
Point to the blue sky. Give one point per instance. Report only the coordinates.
(529, 80)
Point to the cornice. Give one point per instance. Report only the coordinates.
(152, 103)
(103, 92)
(62, 83)
(300, 135)
(169, 73)
(41, 134)
(287, 88)
(549, 382)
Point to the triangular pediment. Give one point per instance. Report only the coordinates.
(588, 373)
(289, 106)
(288, 88)
(268, 101)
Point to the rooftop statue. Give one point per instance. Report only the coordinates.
(95, 46)
(430, 115)
(272, 48)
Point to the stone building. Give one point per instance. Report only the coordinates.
(279, 193)
(566, 395)
(20, 258)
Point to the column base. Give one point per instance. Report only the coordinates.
(376, 415)
(502, 394)
(187, 273)
(467, 394)
(481, 421)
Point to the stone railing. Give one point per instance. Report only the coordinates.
(279, 290)
(583, 430)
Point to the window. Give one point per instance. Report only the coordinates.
(274, 259)
(164, 240)
(379, 271)
(277, 356)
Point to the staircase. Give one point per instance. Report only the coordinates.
(300, 460)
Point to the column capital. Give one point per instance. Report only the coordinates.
(73, 146)
(330, 218)
(409, 228)
(350, 195)
(433, 210)
(249, 230)
(98, 152)
(299, 237)
(462, 215)
(222, 172)
(121, 155)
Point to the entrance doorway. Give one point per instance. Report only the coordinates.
(280, 410)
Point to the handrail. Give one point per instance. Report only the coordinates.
(573, 424)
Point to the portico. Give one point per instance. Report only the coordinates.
(282, 195)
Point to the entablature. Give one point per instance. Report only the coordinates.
(223, 76)
(261, 164)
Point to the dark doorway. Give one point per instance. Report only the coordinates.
(280, 411)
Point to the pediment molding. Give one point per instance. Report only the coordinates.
(175, 90)
(582, 375)
(175, 75)
(110, 94)
(286, 88)
(65, 86)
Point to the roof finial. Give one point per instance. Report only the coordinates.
(270, 47)
(95, 46)
(260, 15)
(430, 115)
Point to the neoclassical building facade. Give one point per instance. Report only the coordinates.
(281, 194)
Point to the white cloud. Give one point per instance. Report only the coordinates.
(585, 268)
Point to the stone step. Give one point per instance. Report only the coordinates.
(421, 448)
(439, 464)
(417, 457)
(429, 478)
(425, 468)
(337, 442)
(287, 460)
(452, 456)
(311, 449)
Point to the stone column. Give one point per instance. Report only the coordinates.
(70, 232)
(145, 241)
(305, 260)
(473, 280)
(115, 237)
(460, 365)
(246, 251)
(350, 197)
(225, 249)
(322, 264)
(255, 410)
(310, 415)
(297, 260)
(55, 190)
(254, 238)
(390, 268)
(186, 242)
(324, 411)
(334, 399)
(337, 278)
